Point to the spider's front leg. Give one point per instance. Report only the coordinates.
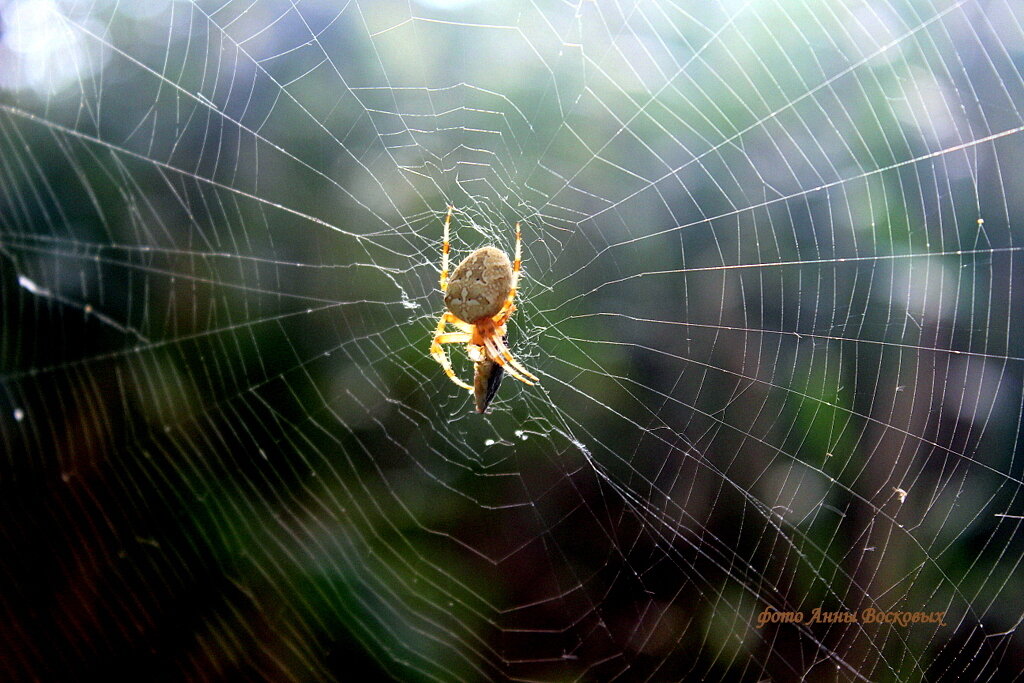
(446, 246)
(452, 338)
(499, 353)
(509, 306)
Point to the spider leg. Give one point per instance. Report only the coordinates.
(440, 356)
(517, 264)
(453, 338)
(495, 354)
(463, 326)
(502, 316)
(446, 246)
(502, 347)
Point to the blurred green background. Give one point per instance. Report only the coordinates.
(770, 286)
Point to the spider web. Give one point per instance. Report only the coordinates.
(770, 287)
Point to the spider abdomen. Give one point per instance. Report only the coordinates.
(479, 286)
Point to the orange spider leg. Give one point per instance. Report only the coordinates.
(495, 354)
(453, 338)
(438, 353)
(503, 349)
(509, 369)
(503, 315)
(458, 323)
(446, 246)
(517, 264)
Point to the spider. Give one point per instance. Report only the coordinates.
(479, 301)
